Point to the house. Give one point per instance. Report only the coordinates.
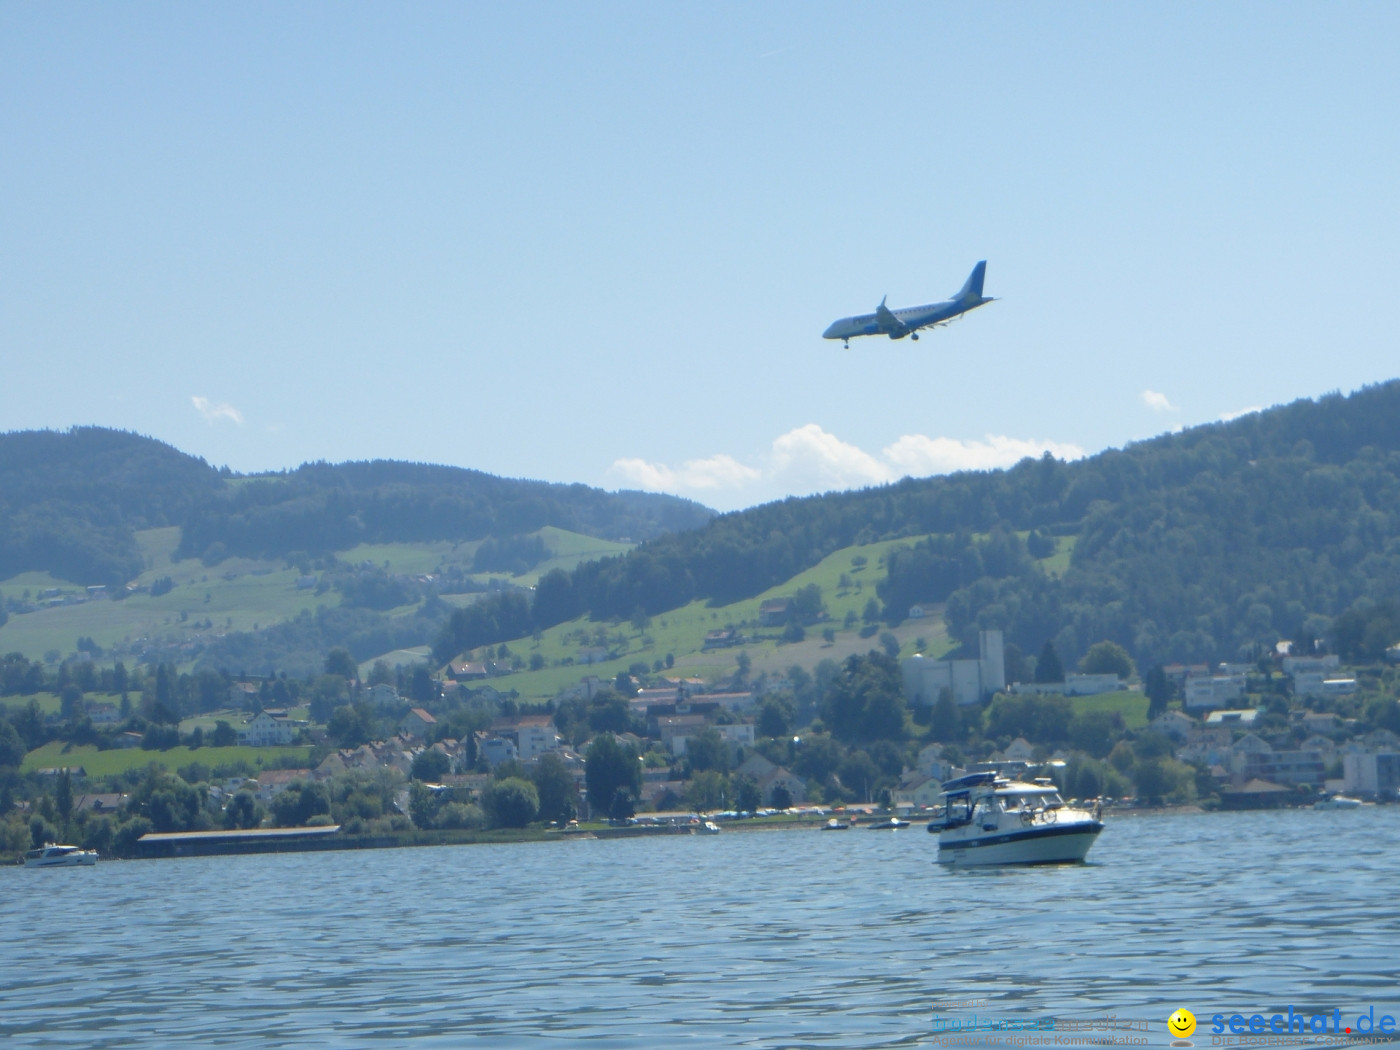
(1294, 665)
(755, 766)
(917, 790)
(104, 714)
(535, 735)
(383, 696)
(416, 724)
(1240, 719)
(795, 786)
(1213, 690)
(1376, 775)
(101, 803)
(268, 728)
(272, 782)
(466, 671)
(1019, 750)
(1091, 684)
(931, 763)
(498, 749)
(722, 639)
(774, 612)
(1174, 724)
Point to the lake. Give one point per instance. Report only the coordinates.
(761, 938)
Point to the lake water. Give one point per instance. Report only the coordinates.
(764, 939)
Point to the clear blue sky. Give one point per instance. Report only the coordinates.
(599, 242)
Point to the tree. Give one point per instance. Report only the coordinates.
(63, 798)
(1048, 667)
(946, 724)
(242, 811)
(555, 787)
(610, 766)
(430, 765)
(746, 794)
(780, 797)
(708, 791)
(298, 803)
(340, 662)
(224, 735)
(775, 715)
(890, 644)
(510, 803)
(1158, 689)
(708, 750)
(1108, 658)
(381, 673)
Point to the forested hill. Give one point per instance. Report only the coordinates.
(71, 501)
(1195, 545)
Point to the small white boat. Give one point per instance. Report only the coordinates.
(1338, 802)
(56, 856)
(835, 825)
(708, 827)
(985, 819)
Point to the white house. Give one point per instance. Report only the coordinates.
(268, 728)
(1213, 690)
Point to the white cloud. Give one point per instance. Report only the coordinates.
(917, 455)
(1225, 417)
(809, 459)
(716, 472)
(1157, 402)
(212, 412)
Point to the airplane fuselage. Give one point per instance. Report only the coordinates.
(907, 321)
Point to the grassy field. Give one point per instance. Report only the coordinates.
(109, 763)
(681, 632)
(1131, 705)
(240, 594)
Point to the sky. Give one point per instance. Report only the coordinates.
(599, 242)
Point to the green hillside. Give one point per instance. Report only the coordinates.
(1209, 544)
(242, 596)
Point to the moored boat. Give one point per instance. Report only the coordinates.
(890, 824)
(53, 855)
(1338, 802)
(985, 819)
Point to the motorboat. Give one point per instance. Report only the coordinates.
(984, 819)
(707, 827)
(891, 824)
(52, 855)
(835, 825)
(1338, 802)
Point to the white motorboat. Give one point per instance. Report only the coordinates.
(708, 827)
(892, 824)
(1338, 802)
(986, 819)
(56, 856)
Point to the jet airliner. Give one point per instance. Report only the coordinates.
(898, 323)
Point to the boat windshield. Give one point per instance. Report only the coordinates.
(1031, 800)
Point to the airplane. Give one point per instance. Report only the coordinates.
(898, 323)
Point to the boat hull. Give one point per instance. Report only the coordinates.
(72, 860)
(1051, 844)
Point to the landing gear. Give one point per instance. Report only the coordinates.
(846, 344)
(914, 336)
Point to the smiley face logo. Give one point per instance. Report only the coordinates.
(1182, 1023)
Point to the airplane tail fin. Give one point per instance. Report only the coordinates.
(973, 287)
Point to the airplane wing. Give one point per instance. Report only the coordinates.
(888, 321)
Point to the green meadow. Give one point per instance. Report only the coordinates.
(110, 763)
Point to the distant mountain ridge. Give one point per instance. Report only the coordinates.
(70, 502)
(1201, 545)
